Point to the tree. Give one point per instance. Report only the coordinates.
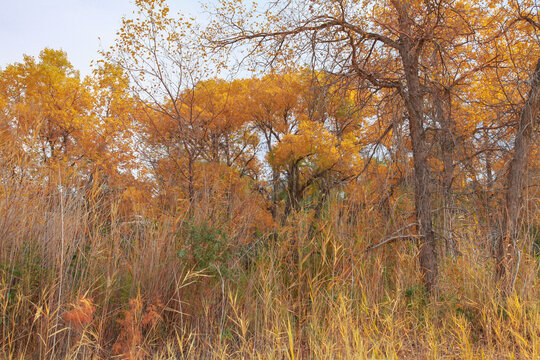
(381, 43)
(509, 254)
(48, 107)
(166, 66)
(64, 130)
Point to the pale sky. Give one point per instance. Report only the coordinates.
(75, 26)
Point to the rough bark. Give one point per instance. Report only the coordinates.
(414, 100)
(508, 246)
(442, 105)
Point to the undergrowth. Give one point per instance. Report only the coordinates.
(77, 285)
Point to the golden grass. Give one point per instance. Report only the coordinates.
(78, 282)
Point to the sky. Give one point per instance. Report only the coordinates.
(79, 27)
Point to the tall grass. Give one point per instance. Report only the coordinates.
(79, 281)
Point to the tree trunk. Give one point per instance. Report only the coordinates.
(442, 113)
(275, 184)
(292, 201)
(410, 48)
(414, 100)
(508, 246)
(490, 223)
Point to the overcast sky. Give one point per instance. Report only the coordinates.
(75, 26)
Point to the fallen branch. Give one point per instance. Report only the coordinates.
(389, 240)
(393, 238)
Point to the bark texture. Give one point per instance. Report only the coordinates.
(410, 49)
(507, 254)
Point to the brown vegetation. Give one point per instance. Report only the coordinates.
(381, 202)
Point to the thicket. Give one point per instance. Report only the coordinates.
(378, 203)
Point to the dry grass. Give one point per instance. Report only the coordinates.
(79, 282)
